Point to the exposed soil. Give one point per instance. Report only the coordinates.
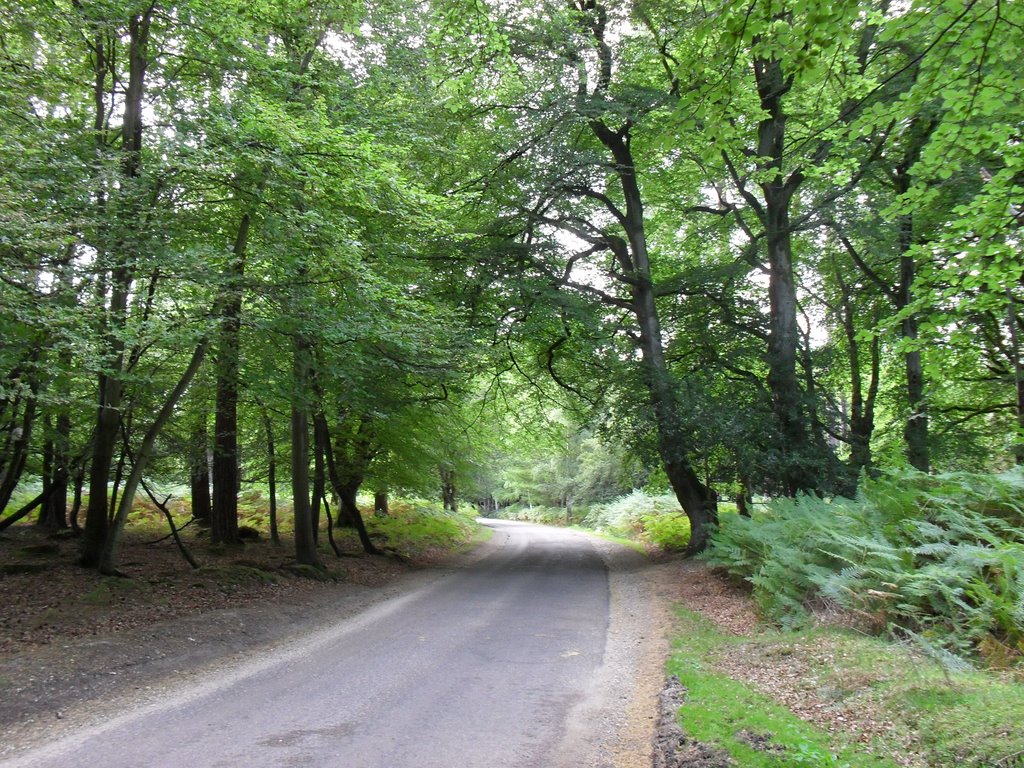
(672, 747)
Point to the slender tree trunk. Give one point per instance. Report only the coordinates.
(199, 473)
(53, 513)
(783, 382)
(76, 504)
(862, 420)
(108, 559)
(915, 431)
(305, 543)
(226, 460)
(108, 416)
(268, 427)
(226, 457)
(319, 474)
(673, 442)
(788, 402)
(632, 259)
(1018, 376)
(380, 504)
(448, 489)
(20, 437)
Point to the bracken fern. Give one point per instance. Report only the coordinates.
(939, 557)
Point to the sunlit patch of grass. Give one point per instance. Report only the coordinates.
(752, 728)
(958, 718)
(413, 527)
(895, 698)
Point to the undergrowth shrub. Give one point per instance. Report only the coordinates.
(414, 526)
(640, 516)
(534, 514)
(937, 558)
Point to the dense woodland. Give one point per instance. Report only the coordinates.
(736, 250)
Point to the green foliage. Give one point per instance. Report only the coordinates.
(534, 514)
(939, 558)
(639, 516)
(414, 527)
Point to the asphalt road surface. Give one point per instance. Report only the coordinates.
(491, 665)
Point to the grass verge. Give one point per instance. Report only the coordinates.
(753, 729)
(873, 703)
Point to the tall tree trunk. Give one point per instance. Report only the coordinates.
(53, 512)
(108, 415)
(19, 436)
(788, 402)
(199, 473)
(380, 504)
(76, 503)
(862, 410)
(320, 440)
(305, 542)
(268, 427)
(915, 431)
(226, 460)
(1018, 375)
(673, 441)
(448, 489)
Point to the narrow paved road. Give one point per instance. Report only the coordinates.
(484, 667)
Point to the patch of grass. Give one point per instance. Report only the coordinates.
(413, 527)
(967, 718)
(236, 574)
(316, 574)
(112, 589)
(897, 699)
(753, 729)
(631, 543)
(483, 534)
(23, 567)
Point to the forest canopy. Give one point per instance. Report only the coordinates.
(484, 250)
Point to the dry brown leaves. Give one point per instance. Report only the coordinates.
(66, 602)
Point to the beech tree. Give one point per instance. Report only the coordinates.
(768, 246)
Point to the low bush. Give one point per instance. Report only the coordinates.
(536, 514)
(414, 526)
(639, 516)
(939, 559)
